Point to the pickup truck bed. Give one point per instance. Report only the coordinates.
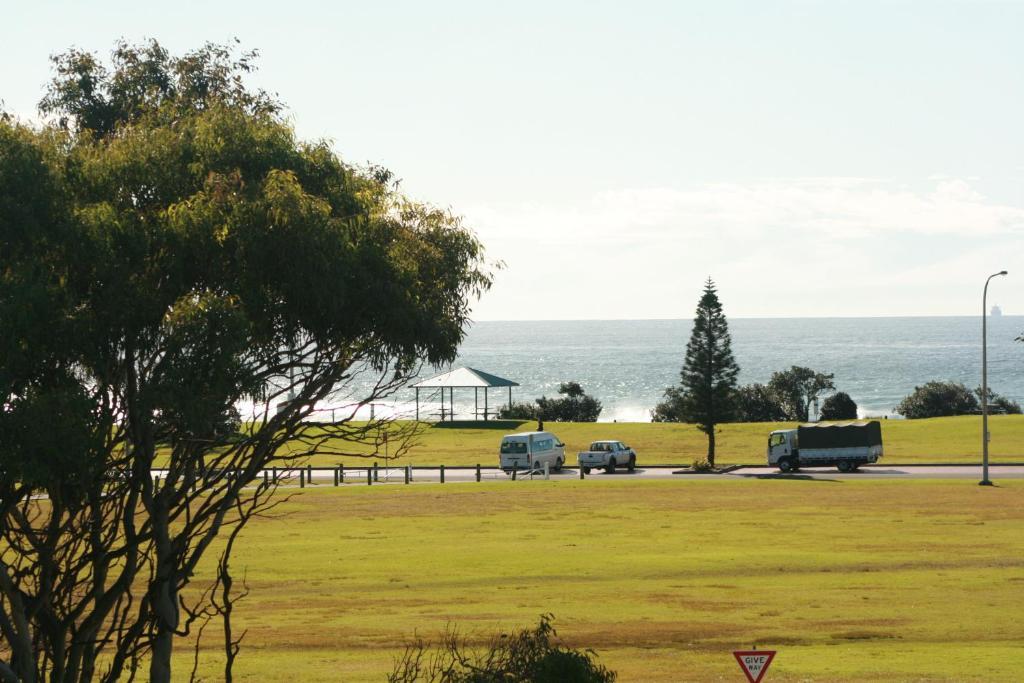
(607, 455)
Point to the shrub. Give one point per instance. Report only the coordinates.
(758, 403)
(521, 657)
(518, 411)
(798, 388)
(702, 465)
(839, 406)
(575, 407)
(938, 399)
(671, 409)
(999, 404)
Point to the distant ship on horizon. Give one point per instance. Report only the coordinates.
(996, 311)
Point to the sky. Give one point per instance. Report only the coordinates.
(813, 158)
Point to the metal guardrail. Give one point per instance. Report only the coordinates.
(374, 474)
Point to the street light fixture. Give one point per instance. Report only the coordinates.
(984, 383)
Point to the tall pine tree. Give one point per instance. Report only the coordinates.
(709, 372)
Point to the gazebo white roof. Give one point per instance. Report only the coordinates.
(465, 377)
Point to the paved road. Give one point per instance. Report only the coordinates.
(453, 475)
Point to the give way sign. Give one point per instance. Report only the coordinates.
(754, 663)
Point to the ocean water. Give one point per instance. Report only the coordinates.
(628, 363)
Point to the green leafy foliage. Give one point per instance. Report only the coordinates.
(839, 406)
(938, 399)
(576, 406)
(798, 388)
(518, 411)
(171, 250)
(671, 409)
(758, 403)
(526, 656)
(999, 404)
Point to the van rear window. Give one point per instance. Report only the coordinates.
(513, 446)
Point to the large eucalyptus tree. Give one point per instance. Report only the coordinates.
(170, 250)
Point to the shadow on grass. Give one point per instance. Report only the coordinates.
(791, 477)
(504, 425)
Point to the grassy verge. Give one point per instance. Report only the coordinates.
(948, 439)
(849, 581)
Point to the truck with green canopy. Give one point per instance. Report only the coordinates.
(846, 445)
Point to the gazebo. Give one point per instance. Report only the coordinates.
(463, 378)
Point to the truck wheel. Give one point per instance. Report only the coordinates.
(632, 463)
(610, 467)
(586, 470)
(558, 465)
(845, 467)
(787, 465)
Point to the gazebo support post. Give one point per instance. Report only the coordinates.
(510, 398)
(485, 403)
(417, 404)
(476, 403)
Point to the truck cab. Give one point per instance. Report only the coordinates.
(783, 450)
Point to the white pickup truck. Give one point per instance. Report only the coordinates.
(607, 454)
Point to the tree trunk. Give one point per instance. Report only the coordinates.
(160, 666)
(163, 595)
(166, 609)
(711, 445)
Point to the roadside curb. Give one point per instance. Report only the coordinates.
(909, 464)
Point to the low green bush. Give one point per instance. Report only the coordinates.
(527, 656)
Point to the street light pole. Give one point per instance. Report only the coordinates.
(985, 481)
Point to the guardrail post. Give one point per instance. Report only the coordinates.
(478, 471)
(369, 477)
(514, 473)
(582, 476)
(406, 474)
(335, 476)
(302, 479)
(341, 473)
(375, 475)
(309, 473)
(442, 474)
(275, 474)
(547, 474)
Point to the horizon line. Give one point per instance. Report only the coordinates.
(738, 317)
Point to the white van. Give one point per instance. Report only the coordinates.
(530, 451)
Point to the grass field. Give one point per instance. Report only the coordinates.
(849, 581)
(947, 439)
